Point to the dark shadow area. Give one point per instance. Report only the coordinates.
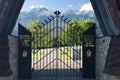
(57, 73)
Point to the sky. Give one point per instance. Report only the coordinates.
(61, 5)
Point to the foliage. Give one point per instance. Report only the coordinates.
(39, 34)
(45, 38)
(72, 35)
(32, 26)
(86, 23)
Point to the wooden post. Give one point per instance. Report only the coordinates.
(104, 18)
(114, 8)
(4, 56)
(9, 11)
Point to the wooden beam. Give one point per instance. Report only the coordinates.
(4, 56)
(2, 11)
(9, 13)
(114, 8)
(104, 18)
(15, 14)
(112, 63)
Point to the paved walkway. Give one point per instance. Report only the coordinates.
(52, 61)
(51, 64)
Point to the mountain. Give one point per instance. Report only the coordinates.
(43, 13)
(34, 14)
(76, 14)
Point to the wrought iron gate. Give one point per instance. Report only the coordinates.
(52, 56)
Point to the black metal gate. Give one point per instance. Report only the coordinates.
(55, 52)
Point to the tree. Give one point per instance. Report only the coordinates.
(34, 27)
(72, 35)
(45, 38)
(86, 23)
(41, 35)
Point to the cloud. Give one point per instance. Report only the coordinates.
(87, 7)
(70, 6)
(32, 7)
(37, 6)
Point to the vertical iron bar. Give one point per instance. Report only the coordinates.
(67, 48)
(47, 57)
(57, 45)
(43, 50)
(50, 49)
(70, 50)
(79, 58)
(40, 53)
(60, 68)
(61, 51)
(64, 51)
(53, 50)
(73, 51)
(33, 53)
(78, 55)
(41, 42)
(37, 48)
(46, 50)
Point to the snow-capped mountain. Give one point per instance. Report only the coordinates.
(76, 14)
(43, 13)
(34, 14)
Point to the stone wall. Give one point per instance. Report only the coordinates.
(102, 45)
(13, 53)
(13, 58)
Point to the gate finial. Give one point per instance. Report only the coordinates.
(57, 13)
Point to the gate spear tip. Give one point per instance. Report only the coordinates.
(57, 12)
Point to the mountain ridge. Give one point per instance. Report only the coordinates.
(43, 13)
